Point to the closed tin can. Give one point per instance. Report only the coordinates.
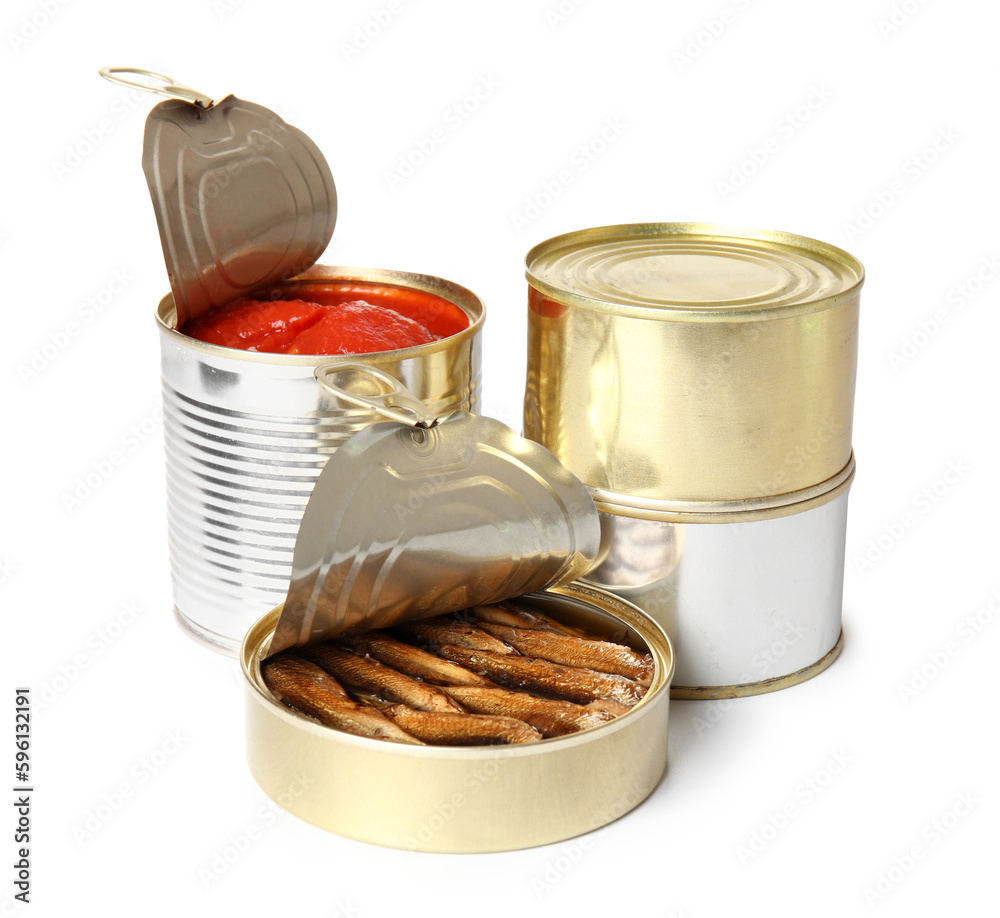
(700, 380)
(470, 798)
(247, 434)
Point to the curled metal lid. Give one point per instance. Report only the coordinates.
(242, 199)
(418, 517)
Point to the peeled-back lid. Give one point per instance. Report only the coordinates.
(417, 517)
(242, 199)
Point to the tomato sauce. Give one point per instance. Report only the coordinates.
(340, 317)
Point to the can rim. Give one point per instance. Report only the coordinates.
(600, 600)
(462, 297)
(765, 686)
(779, 239)
(727, 511)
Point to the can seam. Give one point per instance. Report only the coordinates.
(666, 312)
(744, 689)
(726, 511)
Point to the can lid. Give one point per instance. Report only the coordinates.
(417, 517)
(242, 199)
(692, 270)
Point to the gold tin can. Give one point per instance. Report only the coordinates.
(247, 434)
(473, 798)
(692, 362)
(700, 380)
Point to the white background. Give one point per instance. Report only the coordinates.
(893, 125)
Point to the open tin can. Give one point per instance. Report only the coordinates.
(500, 517)
(700, 380)
(248, 433)
(472, 798)
(245, 205)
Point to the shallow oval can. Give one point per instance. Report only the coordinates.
(246, 435)
(700, 380)
(467, 799)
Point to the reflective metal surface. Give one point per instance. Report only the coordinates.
(472, 798)
(248, 433)
(159, 83)
(242, 199)
(744, 603)
(408, 521)
(691, 362)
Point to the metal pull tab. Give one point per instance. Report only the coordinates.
(158, 83)
(370, 387)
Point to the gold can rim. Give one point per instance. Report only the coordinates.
(462, 297)
(547, 268)
(661, 648)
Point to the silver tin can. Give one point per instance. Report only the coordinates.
(246, 436)
(755, 596)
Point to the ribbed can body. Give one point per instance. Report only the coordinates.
(246, 435)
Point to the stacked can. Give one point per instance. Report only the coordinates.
(700, 380)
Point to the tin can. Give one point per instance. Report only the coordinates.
(471, 798)
(700, 380)
(246, 436)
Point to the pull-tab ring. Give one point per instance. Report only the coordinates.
(369, 387)
(160, 83)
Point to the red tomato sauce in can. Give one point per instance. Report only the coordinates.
(346, 317)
